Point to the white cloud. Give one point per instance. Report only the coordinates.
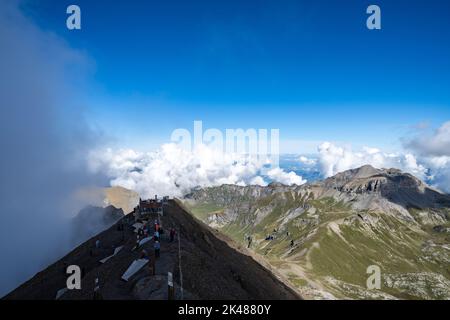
(433, 151)
(334, 159)
(435, 145)
(172, 170)
(288, 178)
(44, 140)
(258, 180)
(307, 161)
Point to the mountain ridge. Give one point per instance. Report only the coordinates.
(213, 267)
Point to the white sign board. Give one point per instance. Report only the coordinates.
(170, 279)
(134, 268)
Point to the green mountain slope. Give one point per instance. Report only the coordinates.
(326, 235)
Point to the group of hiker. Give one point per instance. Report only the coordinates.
(146, 231)
(271, 237)
(157, 232)
(249, 239)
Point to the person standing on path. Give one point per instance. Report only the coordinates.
(157, 247)
(172, 234)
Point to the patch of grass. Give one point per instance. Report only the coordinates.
(297, 281)
(203, 210)
(387, 241)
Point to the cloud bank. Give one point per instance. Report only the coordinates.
(43, 139)
(433, 150)
(436, 144)
(334, 159)
(172, 170)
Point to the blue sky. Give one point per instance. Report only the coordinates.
(310, 68)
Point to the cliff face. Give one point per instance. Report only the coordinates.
(212, 268)
(391, 184)
(324, 235)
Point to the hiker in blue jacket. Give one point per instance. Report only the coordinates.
(157, 247)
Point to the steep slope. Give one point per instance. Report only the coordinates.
(92, 220)
(324, 236)
(211, 268)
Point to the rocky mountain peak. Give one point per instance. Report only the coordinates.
(391, 184)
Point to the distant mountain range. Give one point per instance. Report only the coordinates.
(322, 236)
